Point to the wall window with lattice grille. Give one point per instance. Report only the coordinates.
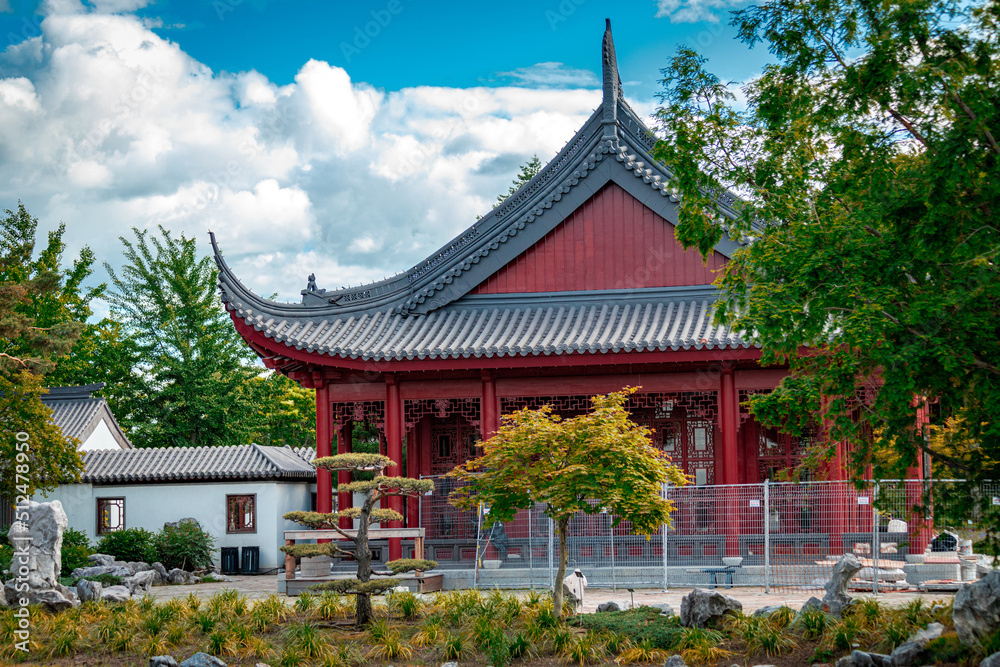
(110, 515)
(242, 513)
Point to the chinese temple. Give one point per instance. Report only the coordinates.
(575, 285)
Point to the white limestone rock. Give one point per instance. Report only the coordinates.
(88, 590)
(116, 594)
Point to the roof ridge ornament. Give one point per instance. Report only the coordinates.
(612, 84)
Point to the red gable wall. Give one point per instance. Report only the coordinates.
(611, 242)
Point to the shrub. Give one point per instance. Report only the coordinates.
(130, 544)
(75, 549)
(185, 545)
(644, 624)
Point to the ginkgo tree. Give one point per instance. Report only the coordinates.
(597, 461)
(368, 514)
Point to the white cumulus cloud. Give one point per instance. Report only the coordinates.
(106, 126)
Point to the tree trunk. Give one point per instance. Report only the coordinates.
(557, 594)
(363, 608)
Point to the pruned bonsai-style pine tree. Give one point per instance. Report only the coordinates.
(374, 490)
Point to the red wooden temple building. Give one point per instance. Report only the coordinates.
(573, 286)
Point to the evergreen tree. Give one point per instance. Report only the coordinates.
(528, 170)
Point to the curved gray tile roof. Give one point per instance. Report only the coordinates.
(186, 464)
(519, 325)
(77, 413)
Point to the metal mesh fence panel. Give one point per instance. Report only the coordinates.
(784, 536)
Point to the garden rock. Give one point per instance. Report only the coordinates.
(101, 559)
(608, 606)
(98, 570)
(977, 609)
(176, 524)
(202, 660)
(908, 654)
(665, 609)
(450, 664)
(675, 661)
(932, 631)
(836, 598)
(991, 661)
(141, 581)
(846, 661)
(701, 607)
(862, 659)
(162, 661)
(138, 566)
(116, 594)
(179, 576)
(160, 570)
(768, 610)
(88, 590)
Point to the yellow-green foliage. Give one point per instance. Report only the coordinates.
(310, 550)
(317, 520)
(373, 587)
(409, 564)
(353, 461)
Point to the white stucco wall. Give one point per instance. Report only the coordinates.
(149, 506)
(101, 438)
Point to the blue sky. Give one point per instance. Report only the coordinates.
(349, 139)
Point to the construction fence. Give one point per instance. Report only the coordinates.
(773, 535)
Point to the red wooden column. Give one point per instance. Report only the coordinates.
(729, 419)
(840, 496)
(345, 443)
(394, 449)
(413, 445)
(490, 407)
(324, 426)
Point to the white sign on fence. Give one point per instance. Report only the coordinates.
(756, 503)
(996, 501)
(862, 500)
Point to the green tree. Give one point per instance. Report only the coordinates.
(868, 158)
(200, 384)
(42, 309)
(598, 461)
(291, 416)
(527, 171)
(374, 491)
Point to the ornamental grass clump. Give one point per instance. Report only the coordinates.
(363, 587)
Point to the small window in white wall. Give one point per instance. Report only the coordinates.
(110, 515)
(242, 513)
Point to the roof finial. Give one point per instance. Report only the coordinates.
(612, 84)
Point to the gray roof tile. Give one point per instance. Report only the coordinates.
(567, 323)
(177, 464)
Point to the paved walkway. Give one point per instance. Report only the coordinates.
(752, 598)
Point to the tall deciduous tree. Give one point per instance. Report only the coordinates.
(869, 160)
(201, 384)
(598, 461)
(42, 311)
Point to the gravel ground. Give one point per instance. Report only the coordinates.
(752, 598)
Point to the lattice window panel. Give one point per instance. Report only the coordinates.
(779, 451)
(467, 408)
(702, 404)
(561, 405)
(453, 441)
(371, 412)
